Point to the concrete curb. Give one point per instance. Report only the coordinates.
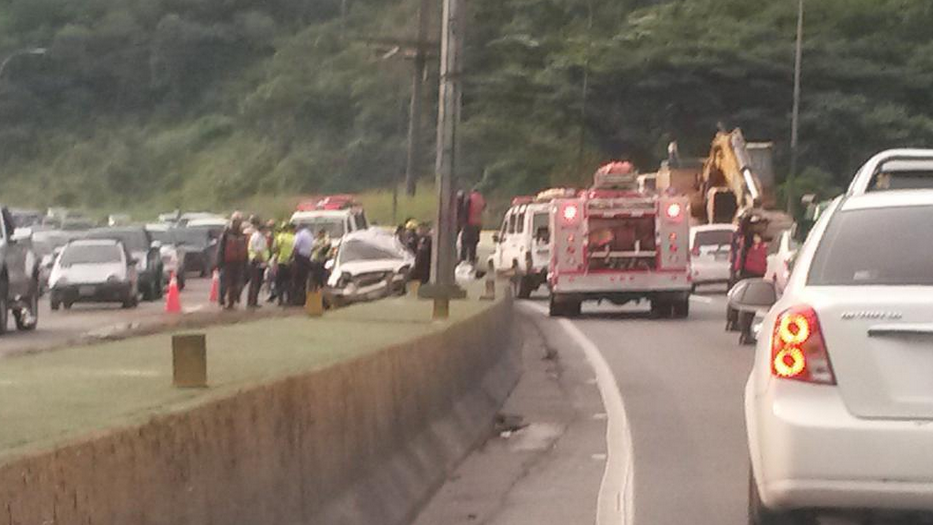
(365, 441)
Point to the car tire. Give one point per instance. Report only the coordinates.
(524, 288)
(24, 324)
(758, 514)
(732, 319)
(4, 307)
(55, 304)
(68, 305)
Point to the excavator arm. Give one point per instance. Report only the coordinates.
(728, 182)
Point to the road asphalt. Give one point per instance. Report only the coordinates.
(681, 384)
(86, 321)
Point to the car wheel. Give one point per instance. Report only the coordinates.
(4, 308)
(732, 319)
(68, 305)
(55, 304)
(27, 319)
(524, 288)
(758, 514)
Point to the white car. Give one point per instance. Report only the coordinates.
(710, 247)
(781, 254)
(94, 271)
(369, 265)
(337, 223)
(839, 403)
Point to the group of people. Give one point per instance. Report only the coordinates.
(288, 261)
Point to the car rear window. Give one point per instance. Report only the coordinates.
(713, 238)
(884, 246)
(88, 254)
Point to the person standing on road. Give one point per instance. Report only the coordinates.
(301, 263)
(422, 269)
(233, 256)
(474, 206)
(319, 256)
(258, 261)
(284, 247)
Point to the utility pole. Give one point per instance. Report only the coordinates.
(448, 117)
(795, 119)
(417, 93)
(584, 95)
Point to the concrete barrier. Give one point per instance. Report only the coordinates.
(363, 442)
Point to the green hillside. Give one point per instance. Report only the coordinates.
(152, 104)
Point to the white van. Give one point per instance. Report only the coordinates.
(523, 245)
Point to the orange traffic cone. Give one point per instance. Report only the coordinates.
(215, 287)
(173, 299)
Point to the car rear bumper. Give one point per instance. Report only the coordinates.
(92, 293)
(710, 273)
(808, 451)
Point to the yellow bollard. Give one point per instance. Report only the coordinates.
(189, 361)
(414, 287)
(441, 308)
(314, 303)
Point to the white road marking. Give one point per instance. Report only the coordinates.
(194, 309)
(616, 501)
(702, 299)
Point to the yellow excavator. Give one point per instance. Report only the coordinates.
(729, 183)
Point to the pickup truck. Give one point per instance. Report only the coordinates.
(19, 277)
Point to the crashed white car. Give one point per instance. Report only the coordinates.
(369, 264)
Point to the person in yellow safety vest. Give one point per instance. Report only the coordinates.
(283, 249)
(258, 260)
(320, 253)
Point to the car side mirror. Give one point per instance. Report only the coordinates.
(752, 295)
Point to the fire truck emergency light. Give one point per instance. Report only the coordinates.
(674, 211)
(570, 213)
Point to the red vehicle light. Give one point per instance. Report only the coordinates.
(674, 211)
(571, 212)
(798, 350)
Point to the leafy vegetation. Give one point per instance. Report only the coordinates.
(150, 104)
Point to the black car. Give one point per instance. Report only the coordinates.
(200, 246)
(144, 249)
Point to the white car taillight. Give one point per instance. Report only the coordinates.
(798, 350)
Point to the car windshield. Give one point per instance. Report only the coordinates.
(163, 236)
(91, 254)
(194, 236)
(134, 240)
(359, 250)
(334, 226)
(886, 246)
(713, 238)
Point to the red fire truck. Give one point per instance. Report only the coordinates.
(616, 243)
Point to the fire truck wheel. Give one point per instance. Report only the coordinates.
(573, 309)
(681, 308)
(555, 309)
(660, 308)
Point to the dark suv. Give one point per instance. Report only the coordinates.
(144, 250)
(19, 277)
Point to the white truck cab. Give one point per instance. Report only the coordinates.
(338, 215)
(522, 244)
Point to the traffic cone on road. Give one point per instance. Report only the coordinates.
(173, 298)
(215, 287)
